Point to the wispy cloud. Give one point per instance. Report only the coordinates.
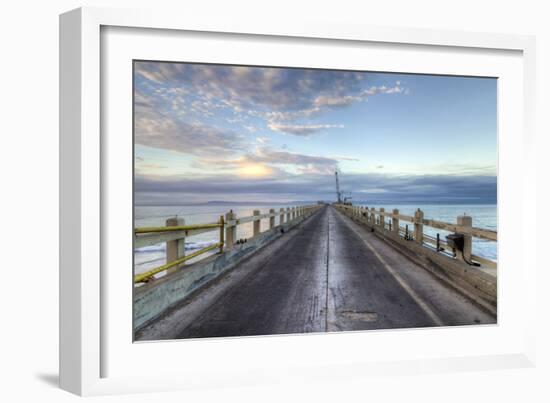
(336, 100)
(301, 130)
(345, 158)
(397, 89)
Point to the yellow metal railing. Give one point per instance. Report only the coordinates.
(147, 230)
(171, 229)
(148, 274)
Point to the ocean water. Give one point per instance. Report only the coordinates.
(147, 258)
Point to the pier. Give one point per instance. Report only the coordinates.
(318, 268)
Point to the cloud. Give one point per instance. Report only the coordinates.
(187, 138)
(263, 140)
(397, 89)
(274, 161)
(342, 100)
(466, 169)
(157, 128)
(281, 89)
(284, 116)
(272, 156)
(209, 111)
(300, 130)
(281, 97)
(345, 158)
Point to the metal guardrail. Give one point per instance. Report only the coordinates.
(146, 230)
(148, 274)
(175, 232)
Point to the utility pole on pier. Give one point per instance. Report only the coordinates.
(338, 194)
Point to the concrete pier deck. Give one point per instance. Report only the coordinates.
(326, 274)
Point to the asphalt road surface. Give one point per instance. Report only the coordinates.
(327, 274)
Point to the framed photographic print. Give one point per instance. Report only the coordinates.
(237, 196)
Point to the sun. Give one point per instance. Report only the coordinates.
(254, 170)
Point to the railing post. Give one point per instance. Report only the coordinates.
(418, 226)
(230, 230)
(256, 223)
(382, 218)
(281, 216)
(272, 219)
(372, 219)
(395, 221)
(293, 213)
(466, 221)
(288, 214)
(175, 249)
(222, 233)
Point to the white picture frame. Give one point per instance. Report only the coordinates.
(85, 344)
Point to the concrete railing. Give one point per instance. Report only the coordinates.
(284, 214)
(175, 232)
(391, 221)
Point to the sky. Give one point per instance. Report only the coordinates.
(205, 133)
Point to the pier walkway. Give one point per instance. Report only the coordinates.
(328, 273)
